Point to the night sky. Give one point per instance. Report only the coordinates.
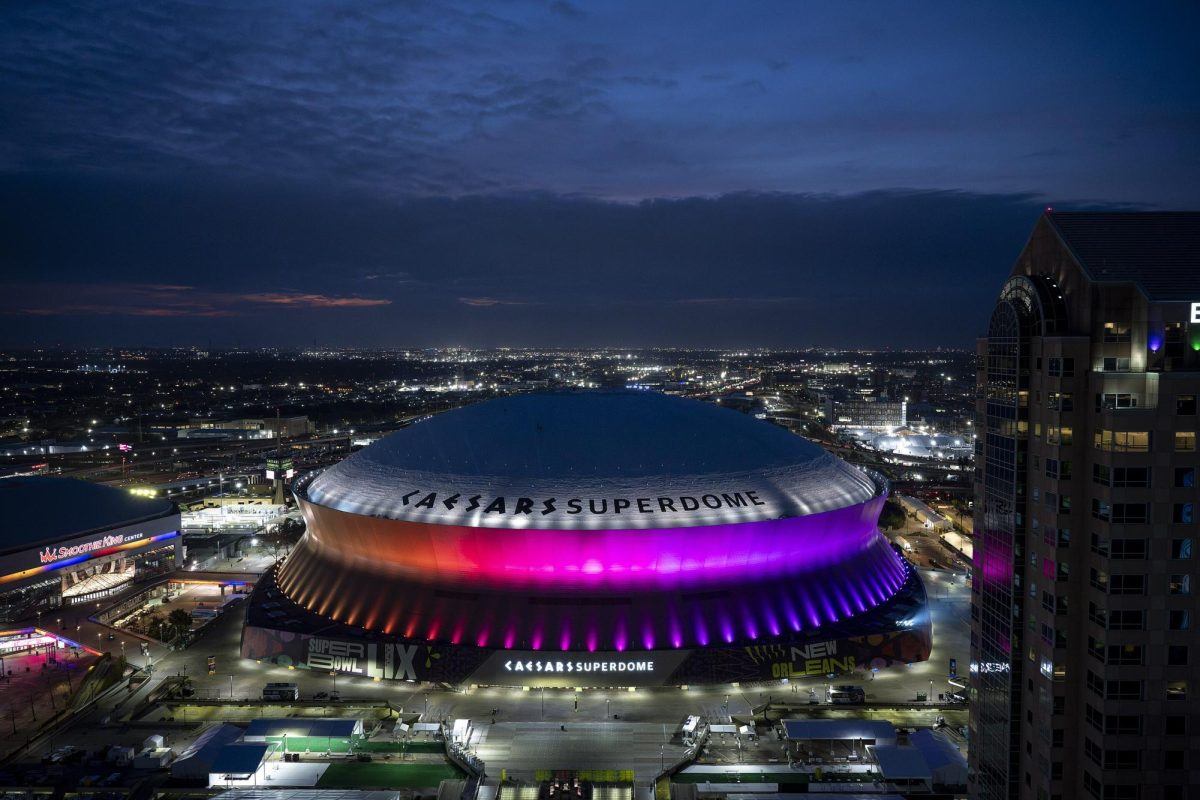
(560, 174)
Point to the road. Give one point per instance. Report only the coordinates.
(530, 720)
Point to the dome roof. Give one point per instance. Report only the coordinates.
(50, 508)
(590, 459)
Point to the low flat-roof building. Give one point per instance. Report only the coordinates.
(240, 764)
(835, 740)
(66, 541)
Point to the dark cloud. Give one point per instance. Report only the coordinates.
(568, 10)
(542, 172)
(63, 299)
(288, 263)
(489, 302)
(450, 98)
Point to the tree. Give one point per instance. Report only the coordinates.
(285, 535)
(180, 619)
(892, 516)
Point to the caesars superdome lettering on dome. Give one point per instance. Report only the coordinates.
(675, 504)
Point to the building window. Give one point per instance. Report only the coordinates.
(1176, 690)
(1060, 401)
(1116, 332)
(1126, 620)
(1054, 367)
(1181, 549)
(1183, 513)
(1123, 690)
(1120, 512)
(1172, 759)
(1116, 365)
(1059, 435)
(1123, 725)
(1177, 655)
(1107, 401)
(1124, 655)
(1185, 404)
(1175, 725)
(1127, 584)
(1052, 468)
(1122, 759)
(1185, 441)
(1127, 549)
(1130, 512)
(1130, 477)
(1185, 477)
(1122, 441)
(1179, 619)
(1180, 584)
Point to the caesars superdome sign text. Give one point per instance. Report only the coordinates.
(576, 667)
(676, 504)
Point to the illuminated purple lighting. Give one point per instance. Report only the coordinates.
(626, 559)
(598, 590)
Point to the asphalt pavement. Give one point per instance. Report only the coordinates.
(530, 719)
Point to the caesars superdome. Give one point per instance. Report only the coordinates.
(590, 539)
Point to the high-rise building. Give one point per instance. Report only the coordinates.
(1084, 645)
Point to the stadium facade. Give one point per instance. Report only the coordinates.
(590, 539)
(68, 541)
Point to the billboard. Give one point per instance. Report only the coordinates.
(424, 661)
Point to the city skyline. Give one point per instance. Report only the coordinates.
(560, 175)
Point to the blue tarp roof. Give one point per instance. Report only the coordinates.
(239, 759)
(902, 763)
(937, 750)
(201, 754)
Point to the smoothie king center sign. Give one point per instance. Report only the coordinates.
(52, 554)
